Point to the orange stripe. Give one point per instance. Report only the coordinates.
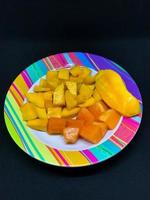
(17, 101)
(56, 156)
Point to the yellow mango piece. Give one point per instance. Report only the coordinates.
(113, 91)
(77, 79)
(54, 112)
(72, 87)
(36, 98)
(85, 72)
(71, 101)
(47, 95)
(88, 102)
(38, 124)
(63, 74)
(41, 113)
(70, 113)
(76, 70)
(96, 96)
(89, 79)
(43, 83)
(28, 111)
(97, 75)
(81, 99)
(86, 90)
(48, 103)
(51, 75)
(58, 95)
(38, 88)
(78, 87)
(53, 83)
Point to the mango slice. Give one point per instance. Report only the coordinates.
(110, 117)
(51, 75)
(88, 102)
(58, 96)
(72, 87)
(89, 79)
(36, 98)
(54, 112)
(38, 88)
(38, 124)
(76, 70)
(70, 112)
(96, 96)
(71, 101)
(41, 113)
(28, 111)
(63, 74)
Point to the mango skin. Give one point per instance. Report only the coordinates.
(113, 91)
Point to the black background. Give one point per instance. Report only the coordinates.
(119, 30)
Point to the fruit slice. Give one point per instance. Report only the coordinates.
(51, 75)
(76, 70)
(88, 102)
(58, 96)
(71, 101)
(74, 123)
(71, 135)
(38, 88)
(102, 126)
(85, 115)
(28, 111)
(70, 113)
(92, 133)
(110, 117)
(38, 124)
(36, 98)
(41, 112)
(89, 79)
(97, 109)
(56, 125)
(72, 87)
(63, 74)
(54, 112)
(96, 96)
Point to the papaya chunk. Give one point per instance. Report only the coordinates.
(110, 117)
(56, 125)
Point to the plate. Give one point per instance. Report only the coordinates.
(52, 149)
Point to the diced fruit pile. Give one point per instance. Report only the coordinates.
(72, 102)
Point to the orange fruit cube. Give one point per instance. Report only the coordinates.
(74, 123)
(110, 117)
(56, 125)
(85, 115)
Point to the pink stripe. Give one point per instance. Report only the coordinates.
(18, 91)
(59, 154)
(130, 122)
(27, 75)
(90, 156)
(112, 138)
(61, 59)
(124, 133)
(75, 59)
(26, 79)
(54, 62)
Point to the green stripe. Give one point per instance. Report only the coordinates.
(25, 131)
(13, 132)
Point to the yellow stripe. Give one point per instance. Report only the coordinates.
(74, 158)
(17, 96)
(21, 85)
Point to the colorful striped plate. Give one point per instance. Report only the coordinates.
(52, 149)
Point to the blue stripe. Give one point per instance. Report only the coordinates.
(111, 147)
(19, 132)
(85, 60)
(67, 57)
(31, 71)
(100, 153)
(41, 68)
